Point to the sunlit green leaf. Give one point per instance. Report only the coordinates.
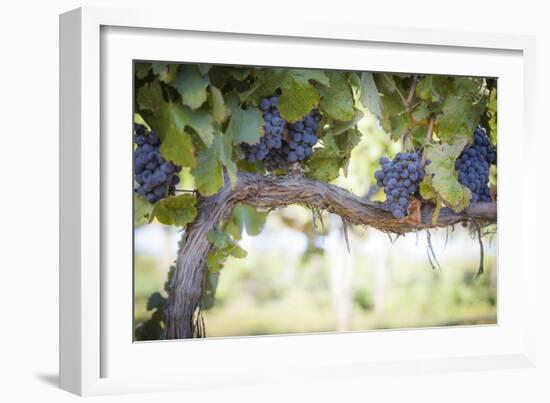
(299, 97)
(208, 173)
(219, 111)
(175, 210)
(142, 210)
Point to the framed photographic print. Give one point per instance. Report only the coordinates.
(315, 201)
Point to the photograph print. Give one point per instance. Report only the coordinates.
(277, 201)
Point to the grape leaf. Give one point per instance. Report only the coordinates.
(142, 209)
(299, 97)
(223, 247)
(191, 85)
(442, 175)
(370, 98)
(209, 293)
(142, 69)
(204, 68)
(218, 238)
(208, 173)
(158, 67)
(340, 127)
(219, 111)
(268, 80)
(392, 105)
(325, 163)
(168, 120)
(225, 154)
(399, 125)
(304, 76)
(461, 111)
(418, 135)
(492, 110)
(347, 141)
(337, 100)
(168, 74)
(245, 126)
(201, 122)
(324, 166)
(421, 111)
(433, 88)
(178, 147)
(155, 301)
(247, 218)
(175, 210)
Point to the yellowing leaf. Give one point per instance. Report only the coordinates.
(442, 175)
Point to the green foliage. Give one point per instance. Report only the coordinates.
(298, 99)
(337, 100)
(394, 119)
(153, 328)
(223, 246)
(208, 173)
(209, 289)
(299, 95)
(245, 125)
(433, 89)
(326, 162)
(191, 85)
(460, 110)
(247, 218)
(442, 178)
(142, 210)
(220, 112)
(370, 98)
(175, 210)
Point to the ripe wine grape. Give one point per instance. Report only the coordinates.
(155, 177)
(473, 166)
(400, 178)
(283, 143)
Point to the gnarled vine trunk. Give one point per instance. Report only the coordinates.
(279, 191)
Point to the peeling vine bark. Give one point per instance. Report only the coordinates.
(278, 191)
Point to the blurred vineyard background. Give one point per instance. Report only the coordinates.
(300, 277)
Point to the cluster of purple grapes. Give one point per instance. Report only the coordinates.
(283, 143)
(400, 178)
(473, 166)
(156, 178)
(274, 127)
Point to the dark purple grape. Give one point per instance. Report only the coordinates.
(152, 172)
(473, 166)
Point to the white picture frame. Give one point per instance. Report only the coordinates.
(96, 354)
